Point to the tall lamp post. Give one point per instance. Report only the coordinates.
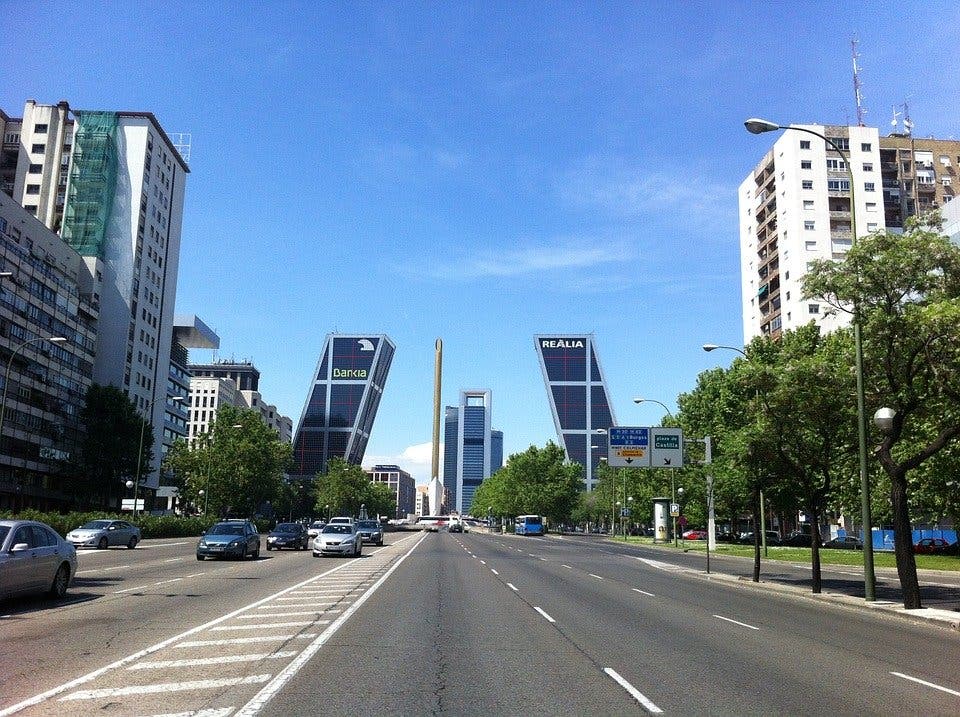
(673, 483)
(6, 376)
(759, 126)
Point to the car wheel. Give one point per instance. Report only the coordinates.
(199, 557)
(102, 545)
(269, 548)
(256, 553)
(60, 581)
(359, 548)
(380, 542)
(133, 542)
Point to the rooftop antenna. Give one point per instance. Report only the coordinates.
(907, 122)
(896, 119)
(857, 88)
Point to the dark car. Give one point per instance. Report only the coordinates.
(773, 538)
(288, 535)
(370, 531)
(798, 539)
(847, 542)
(934, 546)
(230, 539)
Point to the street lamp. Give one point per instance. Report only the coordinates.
(6, 376)
(143, 425)
(203, 494)
(755, 125)
(680, 497)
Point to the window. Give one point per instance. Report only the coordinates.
(35, 169)
(869, 187)
(871, 226)
(807, 184)
(841, 142)
(867, 166)
(946, 181)
(836, 165)
(838, 185)
(811, 245)
(866, 147)
(806, 164)
(871, 206)
(813, 308)
(808, 204)
(33, 189)
(804, 144)
(38, 148)
(32, 208)
(809, 225)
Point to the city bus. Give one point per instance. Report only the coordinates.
(528, 525)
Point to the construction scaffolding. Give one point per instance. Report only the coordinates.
(92, 185)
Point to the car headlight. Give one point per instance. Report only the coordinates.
(202, 543)
(235, 543)
(346, 542)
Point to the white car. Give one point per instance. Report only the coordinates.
(34, 559)
(341, 520)
(338, 539)
(315, 527)
(104, 533)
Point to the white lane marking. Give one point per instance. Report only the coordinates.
(924, 682)
(229, 628)
(169, 687)
(483, 562)
(144, 587)
(223, 660)
(643, 592)
(213, 712)
(259, 615)
(173, 560)
(245, 640)
(163, 545)
(512, 587)
(595, 576)
(648, 705)
(531, 555)
(736, 622)
(103, 570)
(194, 575)
(494, 571)
(567, 567)
(53, 692)
(660, 565)
(325, 598)
(544, 559)
(260, 700)
(540, 610)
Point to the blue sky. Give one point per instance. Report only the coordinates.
(479, 172)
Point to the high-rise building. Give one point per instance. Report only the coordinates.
(46, 382)
(112, 184)
(342, 401)
(578, 397)
(243, 373)
(469, 454)
(795, 208)
(400, 483)
(422, 506)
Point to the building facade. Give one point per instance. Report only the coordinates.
(470, 455)
(112, 185)
(578, 397)
(422, 505)
(342, 401)
(400, 483)
(795, 207)
(45, 383)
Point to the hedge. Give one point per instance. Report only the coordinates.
(151, 526)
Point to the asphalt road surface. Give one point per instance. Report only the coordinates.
(452, 624)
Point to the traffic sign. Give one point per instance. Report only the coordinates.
(674, 510)
(628, 446)
(667, 449)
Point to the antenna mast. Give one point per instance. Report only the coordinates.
(857, 88)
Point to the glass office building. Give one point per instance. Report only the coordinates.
(472, 451)
(342, 401)
(578, 397)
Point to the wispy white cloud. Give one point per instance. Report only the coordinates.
(685, 199)
(417, 460)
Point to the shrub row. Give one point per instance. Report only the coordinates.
(151, 526)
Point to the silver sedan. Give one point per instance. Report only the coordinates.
(338, 539)
(34, 559)
(104, 533)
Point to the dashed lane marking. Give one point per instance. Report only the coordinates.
(925, 683)
(736, 622)
(222, 660)
(512, 587)
(648, 705)
(544, 614)
(245, 640)
(642, 592)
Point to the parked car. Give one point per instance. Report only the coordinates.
(934, 546)
(34, 559)
(370, 531)
(338, 539)
(230, 539)
(341, 520)
(773, 538)
(847, 542)
(798, 539)
(315, 527)
(695, 535)
(288, 535)
(104, 533)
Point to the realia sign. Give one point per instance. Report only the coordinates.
(562, 343)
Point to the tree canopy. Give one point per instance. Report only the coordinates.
(346, 487)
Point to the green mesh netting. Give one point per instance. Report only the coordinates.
(93, 179)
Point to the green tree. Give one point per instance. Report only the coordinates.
(239, 465)
(906, 289)
(108, 454)
(346, 487)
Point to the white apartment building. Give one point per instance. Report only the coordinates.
(794, 209)
(269, 414)
(112, 184)
(207, 395)
(422, 505)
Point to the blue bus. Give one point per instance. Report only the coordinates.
(528, 525)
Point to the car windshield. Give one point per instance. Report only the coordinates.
(338, 529)
(368, 524)
(287, 528)
(226, 529)
(96, 525)
(318, 524)
(4, 529)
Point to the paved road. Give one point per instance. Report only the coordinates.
(454, 624)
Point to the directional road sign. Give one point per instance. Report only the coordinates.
(667, 448)
(628, 446)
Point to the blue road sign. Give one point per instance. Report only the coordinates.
(624, 436)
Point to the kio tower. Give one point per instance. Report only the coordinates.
(578, 397)
(342, 402)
